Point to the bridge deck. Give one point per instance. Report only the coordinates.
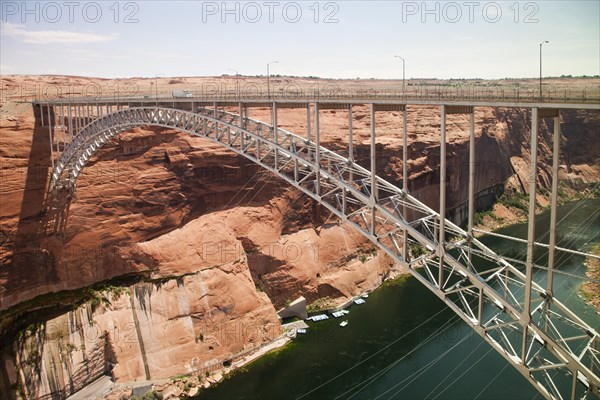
(578, 104)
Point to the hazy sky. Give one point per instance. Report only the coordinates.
(336, 39)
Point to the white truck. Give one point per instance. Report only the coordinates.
(181, 94)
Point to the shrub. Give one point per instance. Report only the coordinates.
(514, 200)
(416, 250)
(479, 217)
(319, 305)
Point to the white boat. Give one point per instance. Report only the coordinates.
(359, 301)
(345, 312)
(300, 330)
(364, 296)
(344, 324)
(337, 314)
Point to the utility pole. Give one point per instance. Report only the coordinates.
(545, 41)
(403, 77)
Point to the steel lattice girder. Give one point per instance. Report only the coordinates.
(490, 301)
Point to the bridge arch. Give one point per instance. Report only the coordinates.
(489, 301)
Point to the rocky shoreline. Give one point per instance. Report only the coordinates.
(511, 208)
(591, 290)
(187, 386)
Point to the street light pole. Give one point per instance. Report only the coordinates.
(545, 41)
(237, 81)
(403, 76)
(156, 86)
(268, 79)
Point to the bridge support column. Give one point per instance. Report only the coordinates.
(51, 137)
(554, 200)
(442, 229)
(374, 193)
(62, 130)
(70, 118)
(275, 135)
(530, 229)
(404, 151)
(308, 121)
(350, 157)
(471, 204)
(405, 178)
(317, 153)
(350, 139)
(66, 138)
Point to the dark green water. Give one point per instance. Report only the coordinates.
(384, 353)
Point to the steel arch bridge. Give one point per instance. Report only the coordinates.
(541, 337)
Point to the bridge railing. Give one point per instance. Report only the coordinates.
(333, 92)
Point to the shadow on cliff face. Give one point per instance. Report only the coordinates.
(581, 129)
(30, 265)
(31, 259)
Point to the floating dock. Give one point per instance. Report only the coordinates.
(319, 317)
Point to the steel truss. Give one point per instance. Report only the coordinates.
(549, 345)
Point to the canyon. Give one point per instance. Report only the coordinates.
(177, 253)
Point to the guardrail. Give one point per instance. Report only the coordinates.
(450, 94)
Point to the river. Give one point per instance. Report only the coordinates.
(404, 343)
